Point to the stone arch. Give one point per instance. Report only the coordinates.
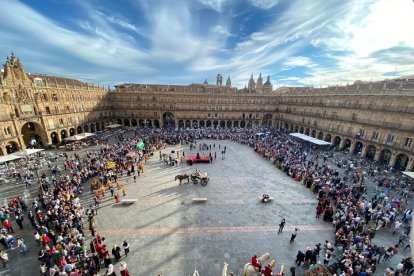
(202, 124)
(92, 128)
(320, 135)
(371, 150)
(358, 147)
(63, 134)
(337, 141)
(401, 162)
(242, 124)
(347, 144)
(169, 120)
(98, 127)
(119, 121)
(2, 151)
(12, 146)
(222, 124)
(208, 123)
(313, 133)
(286, 126)
(307, 131)
(301, 130)
(385, 156)
(86, 128)
(328, 137)
(33, 135)
(134, 122)
(194, 124)
(228, 124)
(141, 123)
(79, 130)
(72, 131)
(296, 129)
(181, 124)
(156, 123)
(126, 123)
(291, 127)
(54, 138)
(215, 124)
(148, 123)
(188, 123)
(236, 124)
(267, 119)
(249, 124)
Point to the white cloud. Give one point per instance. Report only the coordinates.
(220, 30)
(298, 61)
(216, 5)
(264, 4)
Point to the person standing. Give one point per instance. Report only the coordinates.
(294, 234)
(125, 246)
(123, 269)
(281, 225)
(4, 258)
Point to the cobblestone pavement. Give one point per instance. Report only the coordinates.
(168, 233)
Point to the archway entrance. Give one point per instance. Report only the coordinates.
(141, 123)
(156, 124)
(63, 134)
(301, 130)
(208, 124)
(313, 133)
(337, 141)
(126, 123)
(320, 135)
(86, 128)
(249, 124)
(148, 123)
(92, 128)
(180, 124)
(358, 148)
(267, 119)
(401, 162)
(222, 124)
(228, 124)
(371, 150)
(12, 147)
(79, 129)
(169, 120)
(385, 156)
(236, 124)
(188, 124)
(328, 138)
(54, 138)
(33, 135)
(215, 123)
(242, 124)
(72, 131)
(98, 127)
(347, 144)
(134, 122)
(195, 124)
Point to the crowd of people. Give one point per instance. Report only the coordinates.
(62, 226)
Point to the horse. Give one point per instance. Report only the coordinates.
(181, 177)
(249, 269)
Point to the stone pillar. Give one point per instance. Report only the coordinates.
(392, 160)
(377, 154)
(342, 144)
(352, 147)
(410, 164)
(364, 150)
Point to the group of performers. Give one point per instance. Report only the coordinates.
(266, 271)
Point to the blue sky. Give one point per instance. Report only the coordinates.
(296, 42)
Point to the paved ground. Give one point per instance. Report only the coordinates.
(170, 234)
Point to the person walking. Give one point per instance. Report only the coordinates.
(123, 190)
(125, 246)
(123, 269)
(294, 234)
(4, 258)
(281, 225)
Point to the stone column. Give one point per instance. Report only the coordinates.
(342, 144)
(364, 150)
(377, 154)
(410, 164)
(352, 147)
(393, 159)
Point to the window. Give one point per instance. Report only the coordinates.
(67, 109)
(61, 122)
(374, 135)
(70, 120)
(209, 114)
(44, 97)
(408, 142)
(250, 116)
(354, 117)
(47, 110)
(390, 138)
(56, 109)
(55, 97)
(215, 115)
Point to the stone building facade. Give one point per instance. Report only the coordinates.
(42, 110)
(373, 120)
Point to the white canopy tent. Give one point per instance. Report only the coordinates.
(8, 158)
(310, 139)
(27, 152)
(79, 137)
(410, 174)
(113, 126)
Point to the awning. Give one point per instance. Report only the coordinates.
(8, 158)
(113, 126)
(410, 174)
(78, 137)
(310, 139)
(26, 152)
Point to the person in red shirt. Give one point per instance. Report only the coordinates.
(267, 271)
(7, 224)
(256, 263)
